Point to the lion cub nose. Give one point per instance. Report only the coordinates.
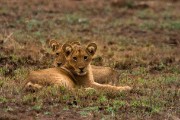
(81, 68)
(59, 64)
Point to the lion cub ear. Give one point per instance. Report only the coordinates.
(54, 45)
(91, 48)
(67, 49)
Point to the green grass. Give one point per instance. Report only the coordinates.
(135, 41)
(149, 25)
(8, 109)
(74, 19)
(3, 100)
(171, 25)
(33, 24)
(166, 25)
(147, 14)
(37, 107)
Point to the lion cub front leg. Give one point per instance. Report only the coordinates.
(32, 87)
(106, 87)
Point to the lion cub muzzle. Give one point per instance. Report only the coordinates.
(81, 71)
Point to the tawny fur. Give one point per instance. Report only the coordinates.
(46, 77)
(78, 59)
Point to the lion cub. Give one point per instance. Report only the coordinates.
(76, 72)
(101, 74)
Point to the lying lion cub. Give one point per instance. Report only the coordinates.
(101, 74)
(76, 72)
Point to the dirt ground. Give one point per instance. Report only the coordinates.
(139, 38)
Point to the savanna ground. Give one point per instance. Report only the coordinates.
(140, 39)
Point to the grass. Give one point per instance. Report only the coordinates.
(151, 25)
(148, 25)
(147, 14)
(131, 40)
(171, 25)
(74, 19)
(3, 100)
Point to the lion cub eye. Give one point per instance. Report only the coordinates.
(75, 58)
(85, 57)
(57, 53)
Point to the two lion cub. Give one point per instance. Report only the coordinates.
(101, 74)
(76, 71)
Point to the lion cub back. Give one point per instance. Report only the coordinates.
(105, 75)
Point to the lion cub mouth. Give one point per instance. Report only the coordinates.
(81, 73)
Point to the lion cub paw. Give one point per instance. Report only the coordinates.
(127, 88)
(32, 87)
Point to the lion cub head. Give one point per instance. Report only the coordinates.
(79, 57)
(59, 57)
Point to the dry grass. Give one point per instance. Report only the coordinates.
(140, 40)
